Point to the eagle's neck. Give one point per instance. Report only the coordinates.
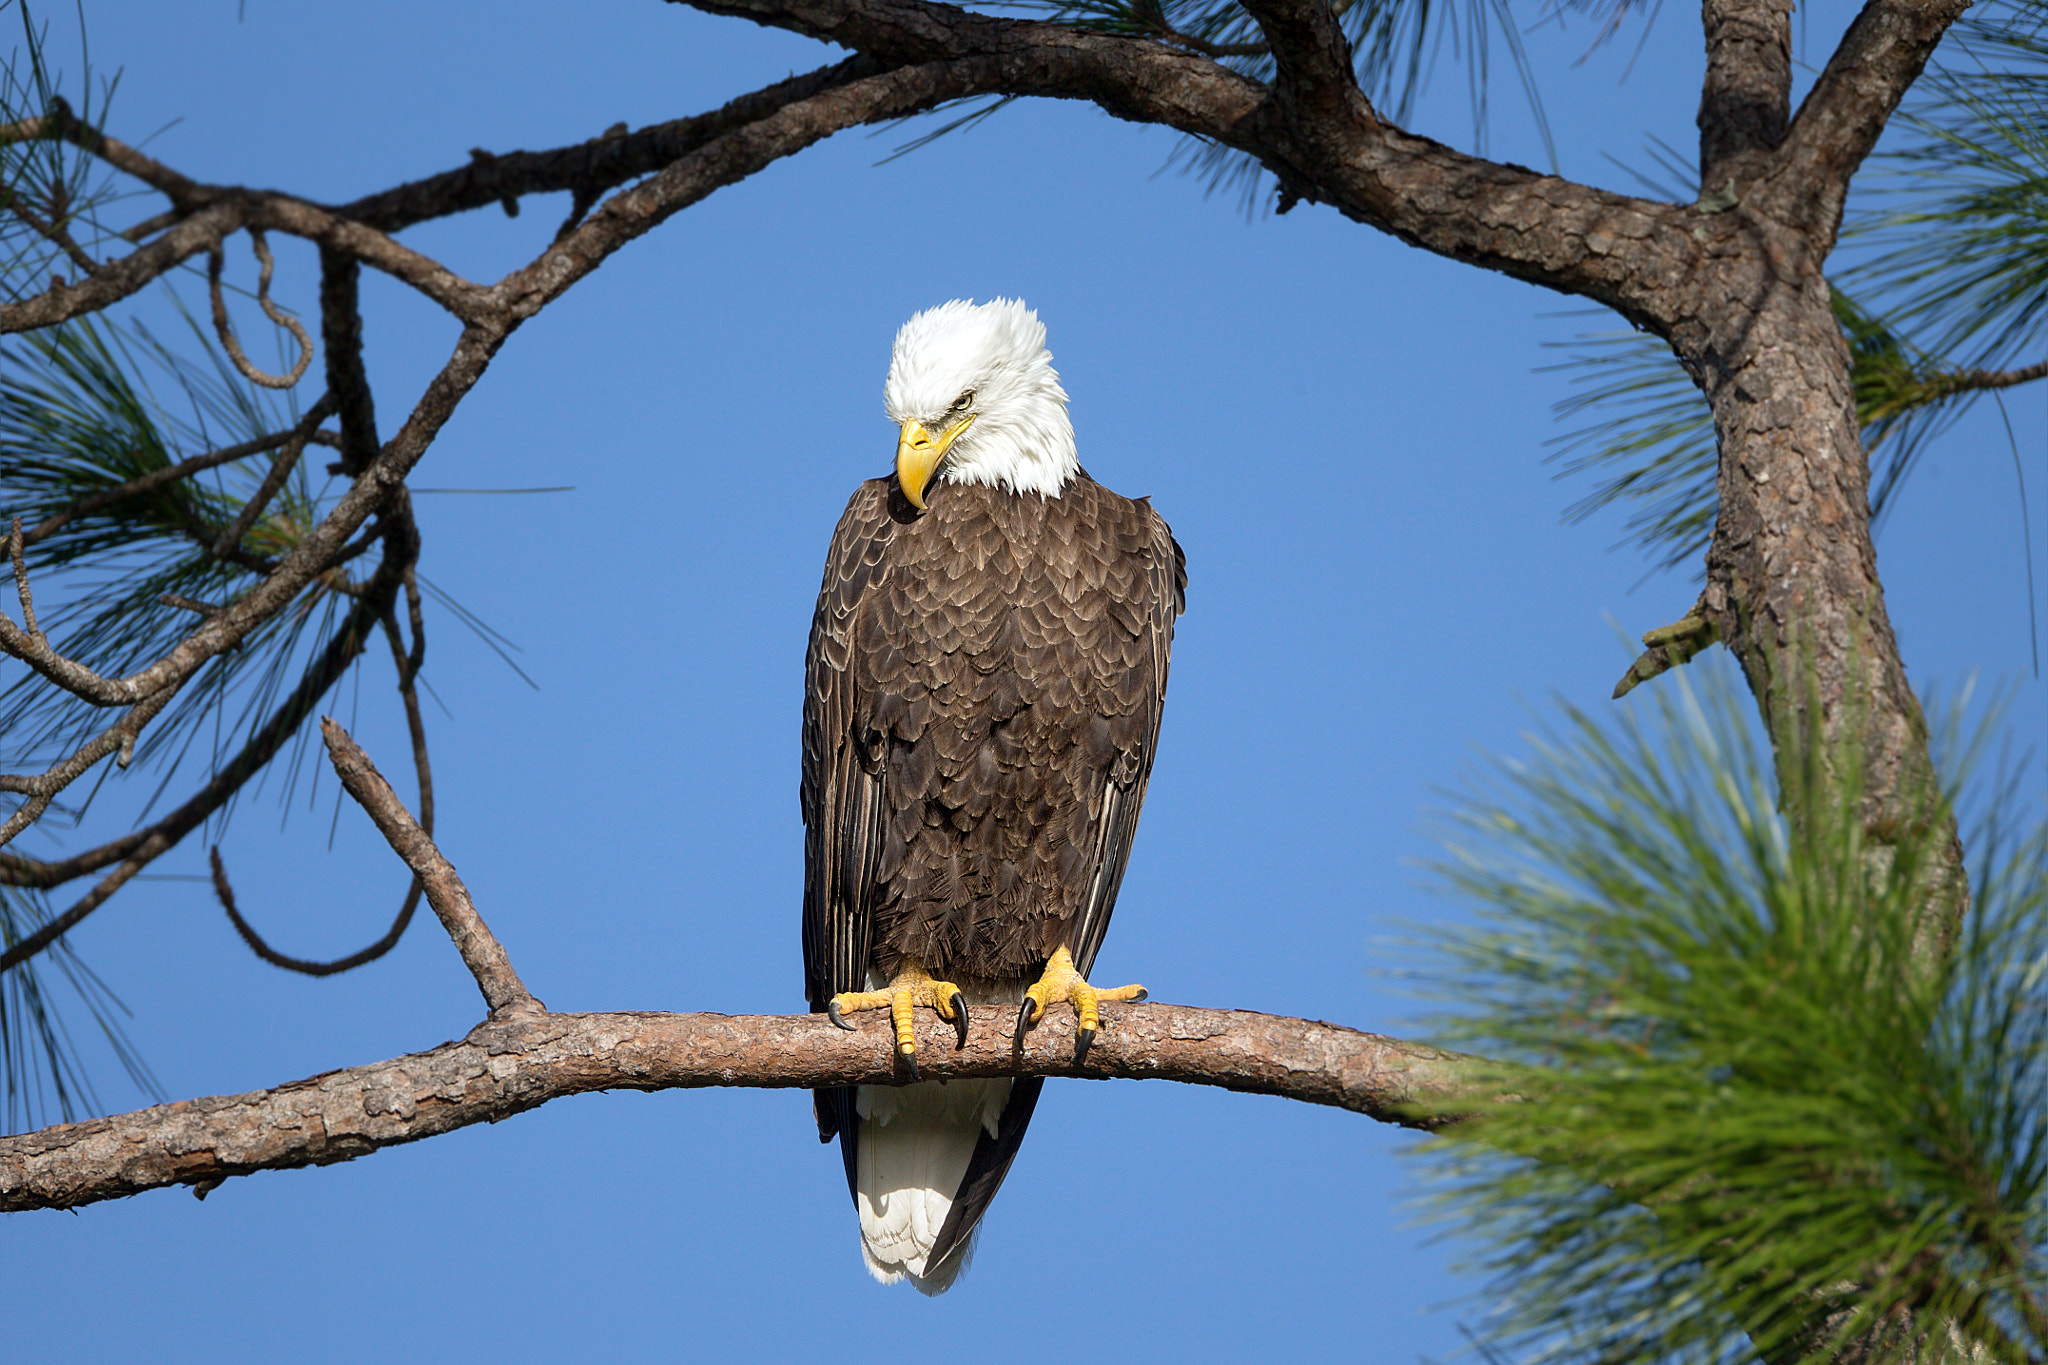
(1027, 450)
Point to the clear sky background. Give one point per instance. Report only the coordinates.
(1347, 436)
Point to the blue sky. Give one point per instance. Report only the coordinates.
(1347, 435)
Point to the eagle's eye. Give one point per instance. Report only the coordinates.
(964, 401)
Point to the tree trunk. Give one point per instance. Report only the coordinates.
(1792, 582)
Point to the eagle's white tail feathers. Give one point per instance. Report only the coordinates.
(915, 1142)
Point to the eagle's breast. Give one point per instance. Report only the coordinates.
(1002, 678)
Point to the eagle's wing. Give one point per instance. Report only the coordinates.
(842, 788)
(1164, 595)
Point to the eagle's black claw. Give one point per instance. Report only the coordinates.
(832, 1013)
(960, 1019)
(1081, 1045)
(909, 1062)
(1023, 1023)
(1142, 994)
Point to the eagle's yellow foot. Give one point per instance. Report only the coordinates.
(912, 987)
(1062, 982)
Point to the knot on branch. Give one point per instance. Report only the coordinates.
(485, 161)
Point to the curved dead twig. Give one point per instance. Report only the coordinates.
(408, 664)
(225, 330)
(223, 889)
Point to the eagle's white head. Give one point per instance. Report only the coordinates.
(973, 389)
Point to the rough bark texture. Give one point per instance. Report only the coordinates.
(1792, 582)
(1746, 100)
(507, 1066)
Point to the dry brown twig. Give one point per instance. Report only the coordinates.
(408, 664)
(225, 330)
(504, 993)
(21, 588)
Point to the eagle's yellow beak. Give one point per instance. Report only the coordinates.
(918, 453)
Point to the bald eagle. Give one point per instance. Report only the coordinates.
(983, 691)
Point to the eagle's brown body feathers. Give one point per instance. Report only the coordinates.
(986, 680)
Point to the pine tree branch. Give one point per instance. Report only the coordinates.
(1633, 255)
(504, 993)
(62, 124)
(1978, 381)
(522, 1056)
(506, 1067)
(1746, 98)
(596, 165)
(1312, 60)
(1840, 120)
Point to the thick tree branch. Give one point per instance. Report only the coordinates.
(1636, 256)
(1312, 61)
(506, 1067)
(1841, 118)
(1746, 97)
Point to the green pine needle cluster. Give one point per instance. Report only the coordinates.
(1958, 215)
(78, 417)
(42, 1074)
(1749, 1108)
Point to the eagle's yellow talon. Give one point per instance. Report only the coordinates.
(912, 987)
(1060, 982)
